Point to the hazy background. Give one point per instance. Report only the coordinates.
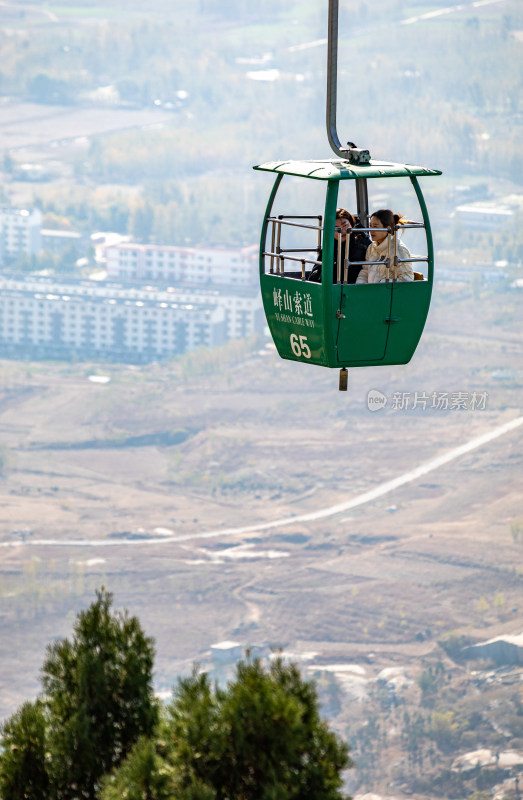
(147, 121)
(202, 91)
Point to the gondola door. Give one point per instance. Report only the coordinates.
(364, 310)
(363, 323)
(411, 301)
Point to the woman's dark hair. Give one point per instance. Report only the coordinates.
(387, 217)
(342, 213)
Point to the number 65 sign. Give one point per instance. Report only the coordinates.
(299, 346)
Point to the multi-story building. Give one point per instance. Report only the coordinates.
(481, 217)
(56, 242)
(47, 318)
(19, 233)
(190, 266)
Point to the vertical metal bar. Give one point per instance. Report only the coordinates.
(362, 200)
(303, 270)
(395, 248)
(331, 296)
(332, 79)
(351, 152)
(273, 237)
(387, 268)
(282, 259)
(319, 233)
(268, 211)
(338, 271)
(428, 231)
(278, 242)
(329, 242)
(346, 259)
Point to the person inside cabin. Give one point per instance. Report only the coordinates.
(358, 240)
(383, 248)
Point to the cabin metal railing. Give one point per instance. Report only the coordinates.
(278, 254)
(394, 258)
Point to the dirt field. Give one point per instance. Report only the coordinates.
(44, 130)
(93, 469)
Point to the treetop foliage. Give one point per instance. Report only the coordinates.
(97, 700)
(97, 732)
(259, 738)
(23, 772)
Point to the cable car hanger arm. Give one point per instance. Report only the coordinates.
(350, 153)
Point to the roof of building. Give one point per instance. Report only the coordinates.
(516, 640)
(79, 292)
(22, 212)
(61, 234)
(105, 290)
(498, 211)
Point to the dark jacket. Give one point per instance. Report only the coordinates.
(359, 241)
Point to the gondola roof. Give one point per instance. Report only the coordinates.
(337, 169)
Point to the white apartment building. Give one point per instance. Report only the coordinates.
(481, 217)
(190, 266)
(56, 241)
(45, 318)
(19, 233)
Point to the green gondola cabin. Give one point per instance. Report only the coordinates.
(335, 323)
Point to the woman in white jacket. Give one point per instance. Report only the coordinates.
(385, 247)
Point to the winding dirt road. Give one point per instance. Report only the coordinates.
(322, 513)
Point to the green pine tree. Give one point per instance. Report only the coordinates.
(98, 690)
(145, 774)
(261, 738)
(23, 771)
(97, 702)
